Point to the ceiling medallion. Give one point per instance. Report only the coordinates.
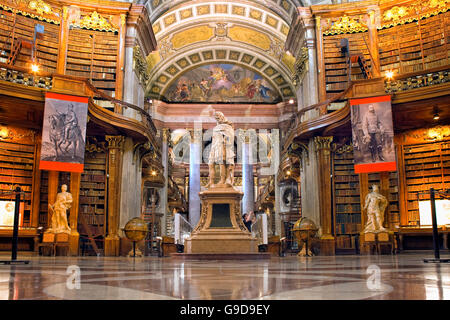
(221, 30)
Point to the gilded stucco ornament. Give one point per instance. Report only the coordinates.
(345, 24)
(300, 66)
(140, 65)
(96, 21)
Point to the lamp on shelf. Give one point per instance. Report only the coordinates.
(436, 113)
(34, 68)
(389, 75)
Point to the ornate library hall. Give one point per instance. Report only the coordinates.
(222, 155)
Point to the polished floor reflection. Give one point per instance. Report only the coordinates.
(403, 276)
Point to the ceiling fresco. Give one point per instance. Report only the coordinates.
(221, 83)
(240, 33)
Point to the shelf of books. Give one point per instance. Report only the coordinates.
(93, 55)
(347, 207)
(46, 44)
(16, 169)
(426, 166)
(43, 207)
(91, 216)
(336, 68)
(416, 46)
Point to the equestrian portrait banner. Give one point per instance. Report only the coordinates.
(373, 134)
(64, 133)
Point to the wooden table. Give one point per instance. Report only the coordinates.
(422, 231)
(24, 234)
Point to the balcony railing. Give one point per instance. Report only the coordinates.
(44, 81)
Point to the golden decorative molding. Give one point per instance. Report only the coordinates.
(40, 10)
(415, 11)
(322, 142)
(96, 21)
(396, 13)
(115, 142)
(345, 24)
(40, 6)
(300, 66)
(438, 133)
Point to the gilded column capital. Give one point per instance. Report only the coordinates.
(65, 13)
(115, 142)
(323, 143)
(195, 134)
(165, 134)
(123, 19)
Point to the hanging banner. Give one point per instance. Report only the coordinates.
(64, 133)
(373, 134)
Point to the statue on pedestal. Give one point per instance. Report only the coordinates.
(222, 152)
(375, 204)
(59, 208)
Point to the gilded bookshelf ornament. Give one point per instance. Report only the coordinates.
(40, 6)
(96, 21)
(395, 13)
(345, 25)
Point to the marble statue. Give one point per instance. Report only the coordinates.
(222, 152)
(375, 204)
(59, 208)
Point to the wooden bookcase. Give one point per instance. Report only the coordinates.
(93, 54)
(46, 45)
(346, 202)
(416, 46)
(93, 197)
(336, 67)
(426, 165)
(43, 207)
(16, 168)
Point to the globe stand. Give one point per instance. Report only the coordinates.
(135, 230)
(135, 252)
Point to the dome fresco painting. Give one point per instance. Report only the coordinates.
(221, 83)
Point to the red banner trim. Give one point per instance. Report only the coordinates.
(58, 96)
(61, 166)
(376, 167)
(369, 100)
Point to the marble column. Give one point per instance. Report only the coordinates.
(275, 164)
(323, 149)
(195, 153)
(248, 200)
(115, 155)
(164, 192)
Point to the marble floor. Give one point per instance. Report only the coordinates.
(386, 277)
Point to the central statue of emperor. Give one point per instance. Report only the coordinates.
(222, 152)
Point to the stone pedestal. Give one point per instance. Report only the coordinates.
(377, 242)
(220, 229)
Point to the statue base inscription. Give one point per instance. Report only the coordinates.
(220, 229)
